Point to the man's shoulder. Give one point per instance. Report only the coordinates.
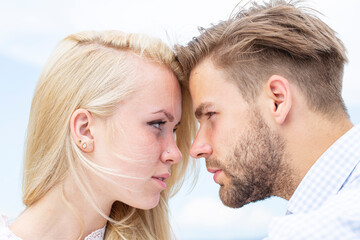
(337, 218)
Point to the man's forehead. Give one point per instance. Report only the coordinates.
(204, 64)
(211, 89)
(207, 81)
(202, 76)
(205, 88)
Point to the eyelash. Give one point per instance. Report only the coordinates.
(154, 123)
(160, 123)
(209, 114)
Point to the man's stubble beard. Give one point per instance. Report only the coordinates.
(255, 166)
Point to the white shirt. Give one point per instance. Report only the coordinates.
(326, 204)
(7, 234)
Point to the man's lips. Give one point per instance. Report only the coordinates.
(212, 170)
(216, 173)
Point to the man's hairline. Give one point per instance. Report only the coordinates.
(226, 76)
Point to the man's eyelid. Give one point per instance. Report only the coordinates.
(209, 114)
(204, 115)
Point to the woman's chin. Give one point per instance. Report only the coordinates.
(147, 203)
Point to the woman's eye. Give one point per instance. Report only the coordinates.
(157, 124)
(209, 114)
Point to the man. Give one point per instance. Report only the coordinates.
(266, 89)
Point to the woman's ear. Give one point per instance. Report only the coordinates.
(80, 123)
(278, 90)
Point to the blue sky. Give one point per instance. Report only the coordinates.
(29, 33)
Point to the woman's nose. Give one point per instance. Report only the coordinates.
(171, 153)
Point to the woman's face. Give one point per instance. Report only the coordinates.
(137, 143)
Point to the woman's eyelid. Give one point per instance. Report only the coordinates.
(157, 123)
(161, 123)
(177, 125)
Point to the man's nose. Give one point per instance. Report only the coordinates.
(200, 147)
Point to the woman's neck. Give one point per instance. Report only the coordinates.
(52, 218)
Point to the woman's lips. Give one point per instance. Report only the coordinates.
(161, 178)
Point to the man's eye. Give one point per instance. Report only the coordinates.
(209, 114)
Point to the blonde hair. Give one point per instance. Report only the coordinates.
(276, 37)
(90, 70)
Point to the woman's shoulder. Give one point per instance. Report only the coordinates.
(5, 232)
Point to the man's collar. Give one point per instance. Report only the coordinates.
(329, 173)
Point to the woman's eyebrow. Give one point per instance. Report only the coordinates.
(167, 114)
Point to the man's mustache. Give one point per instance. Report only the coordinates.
(214, 163)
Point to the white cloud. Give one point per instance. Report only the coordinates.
(202, 217)
(209, 212)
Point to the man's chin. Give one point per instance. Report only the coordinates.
(229, 198)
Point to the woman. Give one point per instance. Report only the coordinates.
(101, 157)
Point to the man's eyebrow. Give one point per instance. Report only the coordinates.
(201, 109)
(167, 114)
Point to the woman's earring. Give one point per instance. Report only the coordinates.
(168, 151)
(84, 144)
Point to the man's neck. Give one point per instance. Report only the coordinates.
(307, 139)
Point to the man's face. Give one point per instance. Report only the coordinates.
(244, 154)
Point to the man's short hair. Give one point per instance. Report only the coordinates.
(274, 38)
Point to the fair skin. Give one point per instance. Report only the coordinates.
(258, 146)
(137, 143)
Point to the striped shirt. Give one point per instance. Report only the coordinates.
(326, 204)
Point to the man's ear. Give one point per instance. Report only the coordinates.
(80, 123)
(278, 90)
